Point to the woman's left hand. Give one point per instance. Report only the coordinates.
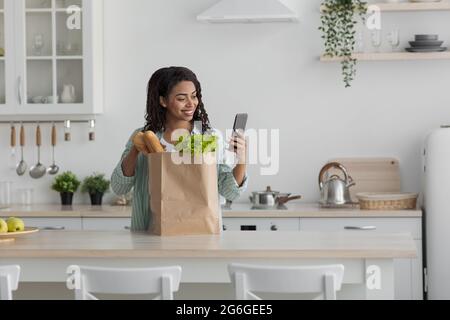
(238, 145)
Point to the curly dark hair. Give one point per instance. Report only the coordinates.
(160, 85)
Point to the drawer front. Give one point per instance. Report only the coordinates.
(387, 225)
(54, 223)
(261, 224)
(106, 224)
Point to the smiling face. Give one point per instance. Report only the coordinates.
(182, 102)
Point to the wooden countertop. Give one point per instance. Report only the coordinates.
(123, 244)
(295, 210)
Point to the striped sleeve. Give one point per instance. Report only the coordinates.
(228, 187)
(120, 184)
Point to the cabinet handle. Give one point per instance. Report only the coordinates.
(274, 228)
(127, 228)
(53, 228)
(224, 227)
(19, 90)
(360, 228)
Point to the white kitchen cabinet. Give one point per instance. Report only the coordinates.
(54, 223)
(261, 224)
(53, 62)
(107, 224)
(408, 272)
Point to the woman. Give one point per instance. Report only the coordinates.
(174, 101)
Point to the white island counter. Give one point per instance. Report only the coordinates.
(44, 256)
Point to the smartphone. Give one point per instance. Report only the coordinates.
(240, 122)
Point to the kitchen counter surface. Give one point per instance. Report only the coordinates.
(124, 244)
(295, 210)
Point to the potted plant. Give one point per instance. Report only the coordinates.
(66, 184)
(338, 19)
(96, 185)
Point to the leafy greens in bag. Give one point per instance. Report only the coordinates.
(197, 144)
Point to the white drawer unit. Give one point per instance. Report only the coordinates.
(385, 225)
(408, 272)
(54, 223)
(261, 224)
(107, 224)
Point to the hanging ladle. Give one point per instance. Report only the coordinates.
(53, 169)
(39, 170)
(22, 166)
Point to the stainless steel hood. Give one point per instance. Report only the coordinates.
(248, 11)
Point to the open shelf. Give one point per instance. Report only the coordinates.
(410, 6)
(394, 56)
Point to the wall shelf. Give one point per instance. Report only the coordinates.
(410, 6)
(394, 56)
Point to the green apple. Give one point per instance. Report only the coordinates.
(15, 225)
(3, 226)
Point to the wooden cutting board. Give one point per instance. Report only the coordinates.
(371, 174)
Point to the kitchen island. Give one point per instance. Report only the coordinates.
(367, 257)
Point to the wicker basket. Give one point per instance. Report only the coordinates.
(387, 201)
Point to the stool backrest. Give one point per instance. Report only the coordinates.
(9, 281)
(326, 279)
(162, 280)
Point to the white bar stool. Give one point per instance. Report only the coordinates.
(87, 280)
(9, 281)
(324, 280)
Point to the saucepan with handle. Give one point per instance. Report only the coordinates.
(269, 199)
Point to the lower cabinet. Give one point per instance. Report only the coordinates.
(261, 224)
(54, 223)
(107, 224)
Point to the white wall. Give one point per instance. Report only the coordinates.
(270, 71)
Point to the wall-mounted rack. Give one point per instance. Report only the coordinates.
(43, 121)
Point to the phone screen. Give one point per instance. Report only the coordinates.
(240, 122)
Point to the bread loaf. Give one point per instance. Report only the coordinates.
(139, 143)
(152, 142)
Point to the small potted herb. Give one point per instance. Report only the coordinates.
(66, 184)
(96, 185)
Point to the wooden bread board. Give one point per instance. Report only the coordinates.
(371, 174)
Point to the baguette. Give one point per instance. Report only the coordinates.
(139, 143)
(152, 142)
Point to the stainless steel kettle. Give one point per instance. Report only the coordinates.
(335, 191)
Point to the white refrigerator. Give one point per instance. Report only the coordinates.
(437, 214)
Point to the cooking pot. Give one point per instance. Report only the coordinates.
(271, 199)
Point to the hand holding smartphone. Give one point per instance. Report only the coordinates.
(240, 123)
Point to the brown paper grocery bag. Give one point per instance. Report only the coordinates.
(184, 198)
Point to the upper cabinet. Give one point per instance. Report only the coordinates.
(53, 57)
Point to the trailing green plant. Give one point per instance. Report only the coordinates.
(339, 18)
(96, 183)
(66, 182)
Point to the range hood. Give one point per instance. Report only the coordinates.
(248, 11)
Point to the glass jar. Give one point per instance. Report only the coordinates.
(5, 193)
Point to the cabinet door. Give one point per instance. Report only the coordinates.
(106, 224)
(54, 223)
(55, 56)
(9, 83)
